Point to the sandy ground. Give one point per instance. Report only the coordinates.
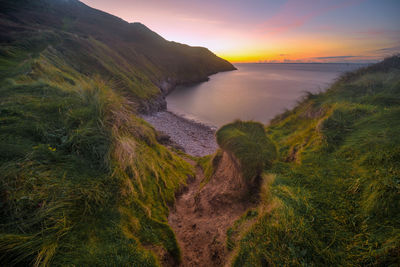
(201, 217)
(195, 138)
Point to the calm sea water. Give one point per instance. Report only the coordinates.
(253, 92)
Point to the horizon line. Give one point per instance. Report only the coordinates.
(315, 62)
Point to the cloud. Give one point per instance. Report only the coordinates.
(389, 49)
(344, 58)
(361, 59)
(334, 57)
(296, 13)
(292, 60)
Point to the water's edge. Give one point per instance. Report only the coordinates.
(196, 138)
(254, 92)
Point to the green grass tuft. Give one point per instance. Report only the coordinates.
(248, 142)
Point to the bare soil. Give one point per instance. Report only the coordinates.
(201, 216)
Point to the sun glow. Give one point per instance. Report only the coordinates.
(272, 31)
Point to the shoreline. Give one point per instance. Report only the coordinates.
(192, 120)
(196, 138)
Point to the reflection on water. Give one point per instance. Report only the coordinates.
(253, 92)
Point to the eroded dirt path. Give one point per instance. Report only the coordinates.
(200, 221)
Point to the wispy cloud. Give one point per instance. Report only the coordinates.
(334, 57)
(296, 13)
(387, 51)
(362, 58)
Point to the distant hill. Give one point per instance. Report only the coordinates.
(94, 42)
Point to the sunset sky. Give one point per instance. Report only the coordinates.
(272, 30)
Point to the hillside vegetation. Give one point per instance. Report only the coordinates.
(83, 181)
(333, 198)
(129, 56)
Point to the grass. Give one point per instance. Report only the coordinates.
(130, 54)
(249, 144)
(335, 197)
(84, 182)
(83, 179)
(209, 164)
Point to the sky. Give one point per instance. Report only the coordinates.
(272, 30)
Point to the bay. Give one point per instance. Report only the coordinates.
(252, 92)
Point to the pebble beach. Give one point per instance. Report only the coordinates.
(195, 138)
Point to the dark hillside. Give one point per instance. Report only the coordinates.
(70, 26)
(83, 180)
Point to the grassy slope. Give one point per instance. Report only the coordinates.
(83, 180)
(136, 50)
(334, 197)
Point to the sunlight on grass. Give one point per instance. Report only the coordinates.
(335, 198)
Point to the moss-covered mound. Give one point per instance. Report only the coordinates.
(249, 144)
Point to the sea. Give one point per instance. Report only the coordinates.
(255, 91)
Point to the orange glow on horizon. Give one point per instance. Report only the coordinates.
(305, 49)
(272, 31)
